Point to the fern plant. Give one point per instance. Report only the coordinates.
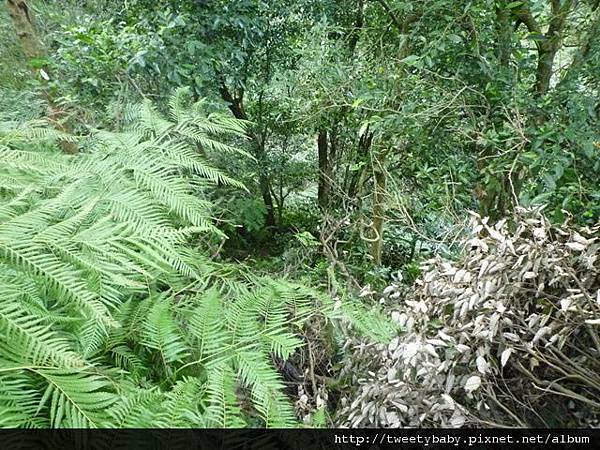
(111, 315)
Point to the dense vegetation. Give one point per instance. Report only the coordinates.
(219, 213)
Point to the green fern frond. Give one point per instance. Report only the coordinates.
(181, 407)
(206, 325)
(266, 387)
(160, 333)
(223, 409)
(136, 408)
(29, 340)
(111, 312)
(32, 130)
(19, 400)
(75, 399)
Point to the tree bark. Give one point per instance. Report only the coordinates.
(326, 139)
(380, 179)
(547, 43)
(268, 200)
(358, 24)
(364, 145)
(33, 49)
(401, 25)
(324, 169)
(505, 32)
(21, 18)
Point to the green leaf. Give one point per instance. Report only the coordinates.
(411, 60)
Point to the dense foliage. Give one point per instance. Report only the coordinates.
(205, 206)
(110, 314)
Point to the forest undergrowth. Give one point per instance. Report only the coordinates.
(357, 213)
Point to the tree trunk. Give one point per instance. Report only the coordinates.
(33, 48)
(326, 140)
(237, 109)
(265, 191)
(544, 69)
(505, 33)
(19, 13)
(358, 24)
(547, 43)
(324, 170)
(379, 176)
(364, 144)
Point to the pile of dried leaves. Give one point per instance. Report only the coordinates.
(508, 335)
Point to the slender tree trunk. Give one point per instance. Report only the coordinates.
(488, 195)
(545, 67)
(358, 24)
(547, 43)
(33, 49)
(324, 169)
(364, 144)
(236, 107)
(280, 199)
(495, 199)
(380, 179)
(264, 183)
(505, 33)
(326, 143)
(265, 191)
